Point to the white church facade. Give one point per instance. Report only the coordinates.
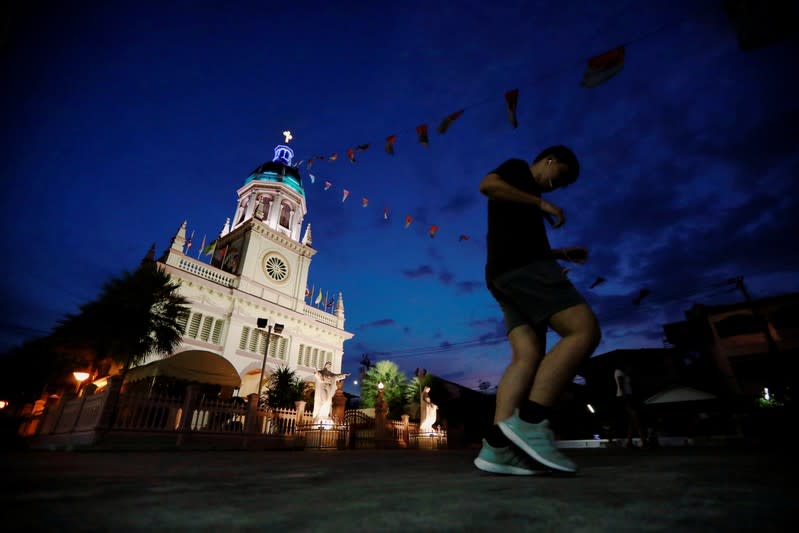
(259, 270)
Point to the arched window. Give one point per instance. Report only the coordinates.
(285, 215)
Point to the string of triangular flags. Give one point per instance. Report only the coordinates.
(598, 70)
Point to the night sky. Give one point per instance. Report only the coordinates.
(121, 120)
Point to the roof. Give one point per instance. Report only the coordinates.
(678, 393)
(191, 365)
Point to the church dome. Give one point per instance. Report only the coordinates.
(279, 170)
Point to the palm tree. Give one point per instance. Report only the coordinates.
(136, 315)
(395, 383)
(284, 388)
(414, 393)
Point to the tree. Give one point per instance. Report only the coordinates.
(284, 388)
(414, 392)
(137, 314)
(395, 391)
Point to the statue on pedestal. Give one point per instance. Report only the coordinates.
(429, 411)
(326, 381)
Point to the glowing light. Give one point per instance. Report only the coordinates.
(288, 136)
(355, 382)
(80, 377)
(766, 394)
(380, 386)
(283, 154)
(590, 407)
(3, 404)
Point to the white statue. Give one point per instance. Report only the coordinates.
(323, 393)
(428, 409)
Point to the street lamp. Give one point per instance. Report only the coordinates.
(278, 329)
(80, 377)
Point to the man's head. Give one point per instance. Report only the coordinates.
(555, 167)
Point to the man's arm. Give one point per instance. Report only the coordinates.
(494, 187)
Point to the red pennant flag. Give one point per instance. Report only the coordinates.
(364, 201)
(511, 97)
(433, 230)
(333, 156)
(345, 195)
(463, 238)
(603, 67)
(390, 144)
(421, 131)
(447, 122)
(385, 213)
(351, 154)
(328, 185)
(408, 220)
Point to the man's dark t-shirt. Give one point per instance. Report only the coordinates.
(516, 232)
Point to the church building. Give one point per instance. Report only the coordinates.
(259, 270)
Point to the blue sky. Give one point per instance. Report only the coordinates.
(123, 119)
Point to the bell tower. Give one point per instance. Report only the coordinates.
(263, 245)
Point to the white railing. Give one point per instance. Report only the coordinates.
(91, 411)
(321, 316)
(203, 270)
(219, 416)
(151, 413)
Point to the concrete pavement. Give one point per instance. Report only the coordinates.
(672, 489)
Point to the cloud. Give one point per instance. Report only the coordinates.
(446, 277)
(378, 323)
(469, 287)
(421, 271)
(461, 201)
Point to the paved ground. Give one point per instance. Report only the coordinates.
(678, 489)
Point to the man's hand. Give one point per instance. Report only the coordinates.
(553, 214)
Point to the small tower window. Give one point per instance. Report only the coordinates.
(285, 215)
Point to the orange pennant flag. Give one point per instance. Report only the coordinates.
(390, 144)
(511, 97)
(351, 154)
(408, 220)
(463, 238)
(333, 156)
(433, 230)
(345, 195)
(421, 131)
(603, 67)
(364, 201)
(447, 122)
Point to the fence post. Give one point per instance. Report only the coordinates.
(381, 410)
(299, 405)
(252, 413)
(188, 413)
(405, 437)
(111, 402)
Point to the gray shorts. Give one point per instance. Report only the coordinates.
(533, 293)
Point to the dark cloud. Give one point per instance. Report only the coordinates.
(446, 277)
(419, 272)
(383, 322)
(461, 201)
(445, 344)
(469, 286)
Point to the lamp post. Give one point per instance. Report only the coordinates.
(278, 329)
(80, 377)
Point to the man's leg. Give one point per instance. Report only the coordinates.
(529, 429)
(580, 335)
(527, 351)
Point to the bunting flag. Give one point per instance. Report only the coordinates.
(408, 220)
(598, 281)
(603, 67)
(643, 293)
(331, 302)
(385, 213)
(362, 147)
(351, 154)
(433, 231)
(223, 254)
(333, 156)
(463, 238)
(313, 178)
(511, 98)
(309, 294)
(202, 246)
(390, 144)
(447, 122)
(421, 131)
(328, 185)
(364, 201)
(319, 297)
(208, 250)
(345, 195)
